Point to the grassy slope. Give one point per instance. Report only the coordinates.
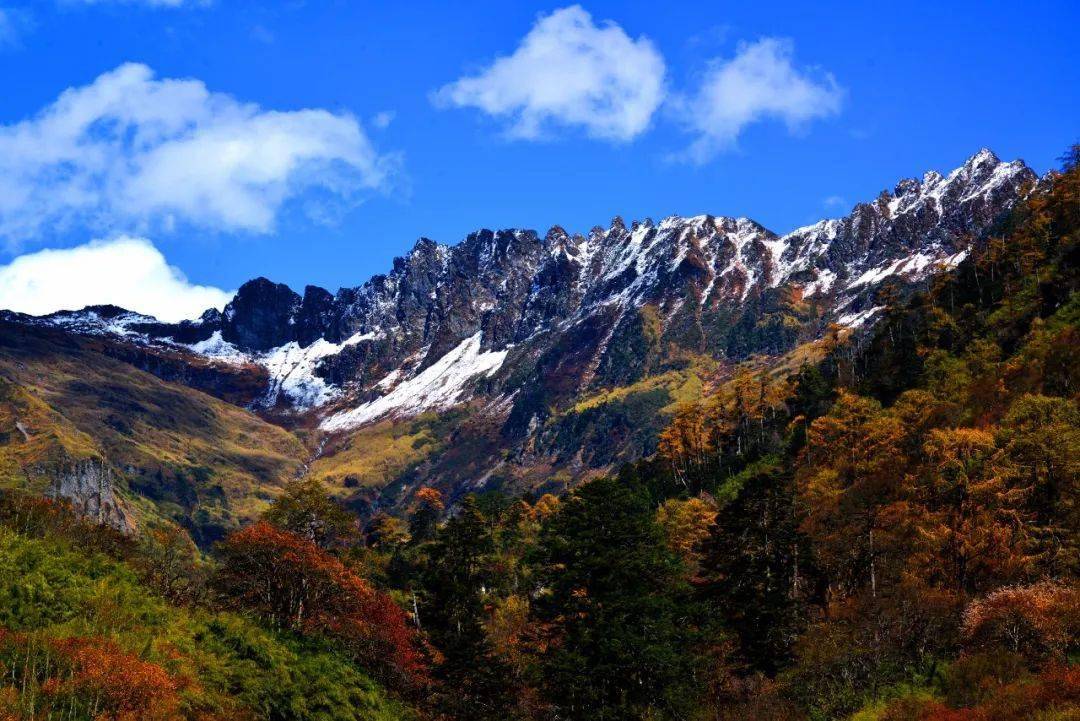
(375, 455)
(212, 465)
(200, 460)
(231, 666)
(681, 386)
(34, 436)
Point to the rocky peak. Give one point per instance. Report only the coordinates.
(510, 284)
(425, 246)
(210, 316)
(927, 222)
(261, 315)
(984, 158)
(316, 317)
(557, 240)
(903, 189)
(707, 279)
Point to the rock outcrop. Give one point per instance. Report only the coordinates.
(88, 487)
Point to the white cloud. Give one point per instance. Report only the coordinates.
(131, 152)
(835, 201)
(124, 271)
(760, 82)
(383, 119)
(568, 71)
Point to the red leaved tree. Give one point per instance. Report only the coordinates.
(299, 586)
(1040, 622)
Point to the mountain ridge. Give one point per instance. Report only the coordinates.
(524, 328)
(568, 276)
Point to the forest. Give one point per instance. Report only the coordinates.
(889, 534)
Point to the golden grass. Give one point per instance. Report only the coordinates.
(194, 454)
(682, 386)
(375, 455)
(34, 435)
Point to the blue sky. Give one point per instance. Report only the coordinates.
(435, 119)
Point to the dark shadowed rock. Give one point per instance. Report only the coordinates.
(261, 315)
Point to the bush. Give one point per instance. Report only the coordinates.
(223, 666)
(84, 678)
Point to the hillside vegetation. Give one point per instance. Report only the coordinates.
(877, 528)
(201, 461)
(873, 527)
(93, 626)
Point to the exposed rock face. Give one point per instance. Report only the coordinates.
(88, 487)
(531, 329)
(315, 318)
(526, 323)
(936, 217)
(261, 316)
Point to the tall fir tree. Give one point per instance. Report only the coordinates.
(615, 604)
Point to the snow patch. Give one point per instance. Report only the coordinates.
(809, 242)
(90, 322)
(437, 387)
(854, 320)
(389, 381)
(954, 260)
(292, 372)
(292, 369)
(218, 348)
(912, 265)
(820, 284)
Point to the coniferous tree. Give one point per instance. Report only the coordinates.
(756, 570)
(615, 605)
(457, 576)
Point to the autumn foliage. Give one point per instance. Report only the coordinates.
(36, 516)
(891, 533)
(88, 678)
(1040, 622)
(1052, 695)
(297, 585)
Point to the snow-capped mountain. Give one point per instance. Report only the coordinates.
(522, 322)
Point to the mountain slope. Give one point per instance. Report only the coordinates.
(67, 605)
(65, 406)
(565, 352)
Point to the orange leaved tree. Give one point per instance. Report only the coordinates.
(79, 677)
